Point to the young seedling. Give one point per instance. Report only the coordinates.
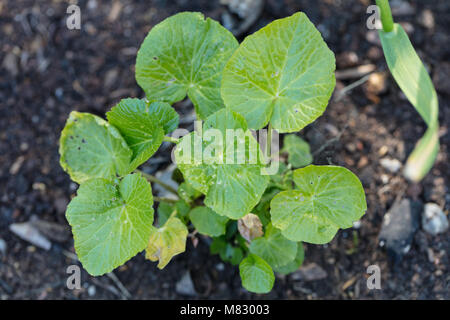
(280, 77)
(413, 79)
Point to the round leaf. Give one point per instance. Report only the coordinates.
(91, 148)
(207, 222)
(274, 248)
(298, 150)
(166, 242)
(141, 130)
(326, 198)
(256, 275)
(293, 265)
(185, 54)
(231, 189)
(283, 73)
(110, 222)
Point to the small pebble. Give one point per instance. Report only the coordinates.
(434, 220)
(392, 165)
(220, 267)
(91, 291)
(185, 286)
(2, 246)
(426, 19)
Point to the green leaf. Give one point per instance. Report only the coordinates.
(166, 242)
(140, 129)
(283, 73)
(207, 222)
(298, 150)
(91, 148)
(232, 187)
(326, 198)
(185, 54)
(263, 207)
(182, 207)
(165, 209)
(274, 248)
(217, 245)
(233, 255)
(227, 252)
(256, 274)
(187, 192)
(293, 265)
(110, 222)
(412, 77)
(167, 117)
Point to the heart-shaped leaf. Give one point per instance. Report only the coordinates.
(185, 54)
(326, 198)
(140, 129)
(166, 242)
(207, 222)
(256, 274)
(111, 222)
(274, 248)
(91, 148)
(298, 150)
(283, 73)
(231, 177)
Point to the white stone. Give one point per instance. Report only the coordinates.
(434, 220)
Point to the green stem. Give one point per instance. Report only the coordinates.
(386, 15)
(170, 139)
(173, 214)
(161, 199)
(154, 179)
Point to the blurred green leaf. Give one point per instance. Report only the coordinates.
(298, 150)
(413, 79)
(207, 222)
(256, 274)
(293, 265)
(274, 248)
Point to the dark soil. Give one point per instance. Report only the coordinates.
(48, 71)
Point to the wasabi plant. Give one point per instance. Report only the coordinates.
(280, 78)
(413, 79)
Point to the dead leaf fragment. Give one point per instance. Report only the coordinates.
(250, 227)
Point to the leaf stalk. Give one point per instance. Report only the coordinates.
(386, 15)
